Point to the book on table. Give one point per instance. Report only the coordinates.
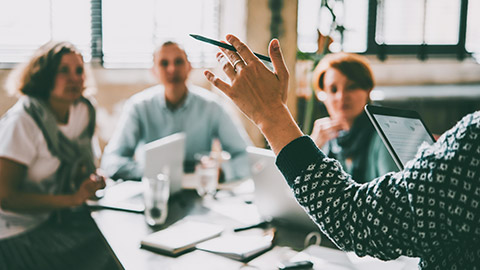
(180, 237)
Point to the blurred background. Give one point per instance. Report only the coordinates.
(425, 54)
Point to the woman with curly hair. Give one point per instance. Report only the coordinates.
(47, 168)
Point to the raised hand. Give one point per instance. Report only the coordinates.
(259, 93)
(254, 88)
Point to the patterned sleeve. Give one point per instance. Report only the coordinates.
(414, 212)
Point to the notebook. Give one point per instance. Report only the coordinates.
(273, 197)
(240, 246)
(180, 237)
(402, 131)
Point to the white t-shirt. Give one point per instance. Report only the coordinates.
(22, 141)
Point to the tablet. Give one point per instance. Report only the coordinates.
(402, 131)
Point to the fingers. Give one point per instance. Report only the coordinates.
(226, 66)
(278, 61)
(327, 128)
(217, 82)
(235, 60)
(98, 181)
(242, 49)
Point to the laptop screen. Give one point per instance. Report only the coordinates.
(273, 197)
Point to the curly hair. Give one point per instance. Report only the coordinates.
(355, 67)
(36, 78)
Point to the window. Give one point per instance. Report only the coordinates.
(23, 30)
(473, 28)
(383, 27)
(351, 14)
(119, 33)
(132, 30)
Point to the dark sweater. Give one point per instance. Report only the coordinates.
(429, 210)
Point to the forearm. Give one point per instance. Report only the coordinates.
(346, 211)
(279, 128)
(29, 203)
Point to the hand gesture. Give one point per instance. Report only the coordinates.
(259, 93)
(256, 90)
(325, 129)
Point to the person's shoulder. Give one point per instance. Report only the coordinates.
(470, 123)
(203, 94)
(17, 114)
(472, 120)
(18, 121)
(146, 95)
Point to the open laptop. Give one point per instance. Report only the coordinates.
(164, 155)
(273, 196)
(402, 131)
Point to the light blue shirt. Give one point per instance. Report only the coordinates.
(146, 118)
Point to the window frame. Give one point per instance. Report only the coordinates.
(421, 50)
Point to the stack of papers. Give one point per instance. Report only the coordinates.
(180, 237)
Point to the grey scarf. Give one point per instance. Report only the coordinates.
(76, 156)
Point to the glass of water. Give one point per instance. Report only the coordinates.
(207, 173)
(156, 195)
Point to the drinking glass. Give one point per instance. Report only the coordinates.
(207, 172)
(156, 194)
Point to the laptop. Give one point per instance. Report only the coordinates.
(402, 131)
(273, 197)
(164, 155)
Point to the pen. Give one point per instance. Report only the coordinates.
(257, 225)
(226, 46)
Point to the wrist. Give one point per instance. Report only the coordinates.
(76, 199)
(279, 128)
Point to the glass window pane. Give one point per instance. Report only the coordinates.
(307, 25)
(473, 27)
(175, 22)
(132, 30)
(443, 21)
(71, 22)
(127, 33)
(356, 19)
(23, 30)
(352, 14)
(399, 22)
(402, 22)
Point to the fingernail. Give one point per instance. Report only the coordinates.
(229, 38)
(207, 74)
(275, 44)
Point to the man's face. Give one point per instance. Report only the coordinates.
(170, 65)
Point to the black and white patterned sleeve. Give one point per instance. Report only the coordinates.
(410, 213)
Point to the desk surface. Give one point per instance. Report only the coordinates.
(123, 232)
